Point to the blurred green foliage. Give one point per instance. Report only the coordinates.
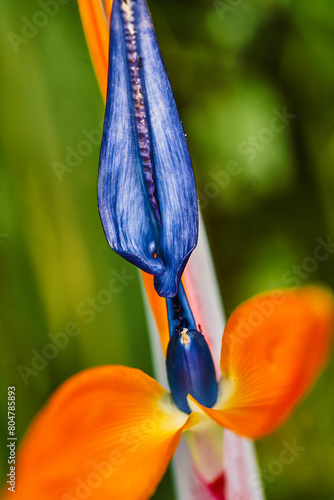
(266, 194)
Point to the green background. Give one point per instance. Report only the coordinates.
(233, 65)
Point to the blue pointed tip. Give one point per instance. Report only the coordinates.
(168, 283)
(190, 370)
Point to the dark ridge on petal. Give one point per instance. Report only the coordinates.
(142, 128)
(179, 313)
(127, 216)
(173, 174)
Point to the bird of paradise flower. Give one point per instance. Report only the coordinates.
(110, 431)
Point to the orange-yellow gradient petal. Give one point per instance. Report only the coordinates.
(159, 309)
(273, 347)
(107, 433)
(95, 23)
(108, 5)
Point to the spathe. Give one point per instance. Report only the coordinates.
(146, 190)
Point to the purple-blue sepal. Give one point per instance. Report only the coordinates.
(158, 238)
(190, 370)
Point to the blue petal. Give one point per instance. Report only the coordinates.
(173, 171)
(190, 370)
(189, 363)
(126, 214)
(149, 213)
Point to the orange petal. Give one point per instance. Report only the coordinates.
(107, 433)
(108, 5)
(96, 27)
(159, 309)
(273, 347)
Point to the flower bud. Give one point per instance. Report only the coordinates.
(190, 370)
